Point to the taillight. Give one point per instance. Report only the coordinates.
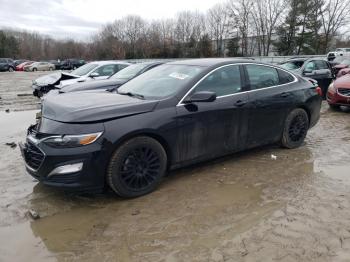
(319, 91)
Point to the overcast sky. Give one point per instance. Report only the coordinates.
(78, 19)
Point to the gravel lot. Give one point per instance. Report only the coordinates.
(245, 207)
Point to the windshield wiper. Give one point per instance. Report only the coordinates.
(132, 95)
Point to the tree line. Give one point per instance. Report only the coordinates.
(232, 28)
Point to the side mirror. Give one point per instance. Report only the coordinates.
(201, 96)
(308, 72)
(94, 74)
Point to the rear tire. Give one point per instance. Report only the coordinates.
(137, 167)
(11, 69)
(34, 69)
(295, 128)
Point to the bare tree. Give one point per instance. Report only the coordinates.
(266, 19)
(218, 22)
(241, 20)
(335, 15)
(134, 29)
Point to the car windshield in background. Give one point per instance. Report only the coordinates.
(161, 81)
(129, 72)
(83, 70)
(292, 65)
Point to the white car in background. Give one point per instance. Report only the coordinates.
(92, 71)
(338, 52)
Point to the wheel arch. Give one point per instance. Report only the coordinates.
(148, 133)
(307, 110)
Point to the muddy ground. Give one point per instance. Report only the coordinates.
(245, 207)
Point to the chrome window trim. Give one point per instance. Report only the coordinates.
(248, 91)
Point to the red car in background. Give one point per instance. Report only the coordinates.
(343, 71)
(20, 67)
(342, 68)
(339, 92)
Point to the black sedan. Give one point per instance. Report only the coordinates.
(174, 115)
(114, 81)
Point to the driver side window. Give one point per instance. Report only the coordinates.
(105, 70)
(310, 66)
(224, 81)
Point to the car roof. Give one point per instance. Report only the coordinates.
(206, 62)
(109, 62)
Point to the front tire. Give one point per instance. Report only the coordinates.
(137, 167)
(11, 69)
(295, 128)
(34, 69)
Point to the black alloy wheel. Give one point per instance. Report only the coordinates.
(295, 128)
(137, 167)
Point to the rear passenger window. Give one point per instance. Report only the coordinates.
(285, 77)
(224, 81)
(262, 76)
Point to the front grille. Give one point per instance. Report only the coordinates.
(33, 156)
(344, 91)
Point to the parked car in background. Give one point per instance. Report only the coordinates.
(19, 61)
(20, 67)
(39, 66)
(345, 63)
(317, 69)
(339, 92)
(343, 72)
(92, 71)
(71, 64)
(114, 81)
(56, 63)
(6, 64)
(176, 114)
(339, 52)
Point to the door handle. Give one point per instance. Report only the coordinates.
(284, 94)
(240, 103)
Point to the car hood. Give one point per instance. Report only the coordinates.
(52, 79)
(84, 107)
(343, 82)
(96, 84)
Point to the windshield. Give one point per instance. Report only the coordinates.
(129, 72)
(162, 81)
(83, 70)
(292, 65)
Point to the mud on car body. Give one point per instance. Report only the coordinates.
(174, 115)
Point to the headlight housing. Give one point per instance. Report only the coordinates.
(68, 141)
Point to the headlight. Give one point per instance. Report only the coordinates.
(65, 141)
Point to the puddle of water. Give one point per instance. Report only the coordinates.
(337, 172)
(15, 122)
(18, 243)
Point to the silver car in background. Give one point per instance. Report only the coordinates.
(39, 66)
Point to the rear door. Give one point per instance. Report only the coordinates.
(208, 129)
(270, 98)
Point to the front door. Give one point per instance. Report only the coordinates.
(209, 129)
